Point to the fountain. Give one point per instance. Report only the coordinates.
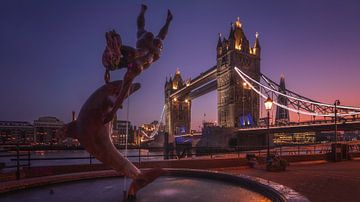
(92, 128)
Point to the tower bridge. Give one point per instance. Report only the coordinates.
(235, 102)
(240, 85)
(202, 84)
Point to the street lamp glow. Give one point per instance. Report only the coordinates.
(336, 103)
(268, 103)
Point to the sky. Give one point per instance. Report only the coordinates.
(50, 51)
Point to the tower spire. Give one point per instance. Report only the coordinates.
(257, 43)
(231, 34)
(238, 23)
(256, 49)
(219, 41)
(282, 115)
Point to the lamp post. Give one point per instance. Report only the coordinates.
(268, 105)
(243, 100)
(245, 87)
(336, 103)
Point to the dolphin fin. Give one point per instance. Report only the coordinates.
(69, 130)
(108, 116)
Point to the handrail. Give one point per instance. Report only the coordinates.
(187, 151)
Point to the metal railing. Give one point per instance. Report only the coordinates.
(305, 123)
(24, 154)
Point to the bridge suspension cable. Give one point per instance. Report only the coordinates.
(298, 104)
(156, 131)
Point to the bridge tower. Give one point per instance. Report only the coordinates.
(282, 115)
(237, 105)
(177, 110)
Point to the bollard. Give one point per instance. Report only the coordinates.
(28, 155)
(139, 151)
(238, 151)
(17, 162)
(90, 160)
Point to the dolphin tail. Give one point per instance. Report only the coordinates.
(145, 178)
(69, 130)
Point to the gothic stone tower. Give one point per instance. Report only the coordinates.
(178, 110)
(237, 104)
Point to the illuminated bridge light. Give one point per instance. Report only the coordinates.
(246, 78)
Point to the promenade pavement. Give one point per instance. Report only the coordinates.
(318, 181)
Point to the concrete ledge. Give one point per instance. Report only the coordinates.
(274, 191)
(183, 163)
(54, 179)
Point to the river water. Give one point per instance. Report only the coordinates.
(41, 158)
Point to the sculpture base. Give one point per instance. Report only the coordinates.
(178, 185)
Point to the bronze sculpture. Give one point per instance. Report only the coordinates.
(94, 136)
(147, 51)
(93, 124)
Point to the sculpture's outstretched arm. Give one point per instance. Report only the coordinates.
(164, 30)
(141, 21)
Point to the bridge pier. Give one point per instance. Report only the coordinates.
(254, 140)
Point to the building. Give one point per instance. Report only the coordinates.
(149, 128)
(282, 115)
(294, 138)
(119, 132)
(45, 129)
(154, 126)
(237, 104)
(13, 132)
(177, 110)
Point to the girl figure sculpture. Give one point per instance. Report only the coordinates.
(117, 56)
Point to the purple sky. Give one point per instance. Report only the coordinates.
(51, 50)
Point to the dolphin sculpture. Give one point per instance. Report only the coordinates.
(94, 135)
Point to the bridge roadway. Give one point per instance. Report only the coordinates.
(317, 126)
(202, 84)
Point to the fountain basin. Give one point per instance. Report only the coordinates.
(178, 185)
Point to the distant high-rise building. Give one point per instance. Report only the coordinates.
(45, 129)
(13, 132)
(282, 115)
(119, 132)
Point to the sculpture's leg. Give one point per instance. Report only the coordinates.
(141, 21)
(163, 31)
